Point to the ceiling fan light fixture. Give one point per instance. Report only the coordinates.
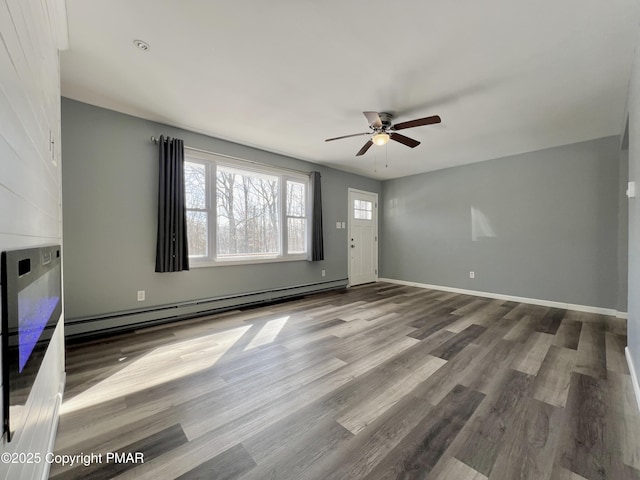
(380, 138)
(382, 130)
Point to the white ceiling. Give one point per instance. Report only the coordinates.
(506, 76)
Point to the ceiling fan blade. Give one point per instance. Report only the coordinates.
(364, 149)
(347, 136)
(374, 119)
(417, 123)
(409, 142)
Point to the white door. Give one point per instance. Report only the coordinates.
(363, 237)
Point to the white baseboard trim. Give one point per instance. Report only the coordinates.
(634, 376)
(498, 296)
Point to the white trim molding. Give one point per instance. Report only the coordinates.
(634, 376)
(54, 427)
(59, 23)
(499, 296)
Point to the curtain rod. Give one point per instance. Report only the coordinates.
(156, 140)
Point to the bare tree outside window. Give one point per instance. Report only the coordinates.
(247, 220)
(296, 217)
(238, 213)
(195, 180)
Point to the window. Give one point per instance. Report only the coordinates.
(296, 217)
(197, 204)
(241, 213)
(362, 210)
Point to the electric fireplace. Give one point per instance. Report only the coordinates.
(31, 308)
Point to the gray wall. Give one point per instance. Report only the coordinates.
(623, 230)
(109, 191)
(633, 106)
(545, 222)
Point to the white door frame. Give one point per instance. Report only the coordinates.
(349, 226)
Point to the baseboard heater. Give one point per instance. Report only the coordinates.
(133, 319)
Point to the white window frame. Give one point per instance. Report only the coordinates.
(307, 215)
(208, 205)
(211, 162)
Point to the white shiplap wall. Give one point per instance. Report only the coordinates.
(31, 32)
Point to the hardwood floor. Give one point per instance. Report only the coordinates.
(376, 382)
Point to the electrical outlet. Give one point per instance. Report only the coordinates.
(338, 225)
(343, 225)
(323, 273)
(472, 274)
(141, 295)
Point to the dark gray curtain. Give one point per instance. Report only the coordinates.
(317, 244)
(172, 253)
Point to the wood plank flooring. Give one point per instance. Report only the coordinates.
(375, 382)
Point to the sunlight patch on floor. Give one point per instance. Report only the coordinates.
(160, 365)
(268, 333)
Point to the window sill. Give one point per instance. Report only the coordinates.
(202, 263)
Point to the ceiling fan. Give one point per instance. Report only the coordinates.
(382, 130)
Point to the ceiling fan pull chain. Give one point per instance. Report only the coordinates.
(375, 161)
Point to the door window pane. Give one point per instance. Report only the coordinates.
(362, 210)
